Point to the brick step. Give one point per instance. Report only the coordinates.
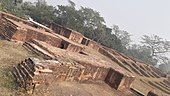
(19, 76)
(156, 85)
(133, 69)
(136, 92)
(29, 47)
(166, 85)
(38, 50)
(30, 71)
(38, 44)
(24, 76)
(26, 72)
(16, 78)
(156, 75)
(113, 58)
(146, 69)
(30, 64)
(163, 86)
(144, 73)
(158, 72)
(167, 82)
(151, 74)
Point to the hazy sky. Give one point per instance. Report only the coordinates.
(138, 17)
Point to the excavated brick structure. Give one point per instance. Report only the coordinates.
(14, 28)
(135, 66)
(68, 33)
(26, 22)
(118, 80)
(32, 71)
(155, 93)
(17, 29)
(74, 36)
(7, 29)
(115, 78)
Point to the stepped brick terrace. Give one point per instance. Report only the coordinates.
(69, 56)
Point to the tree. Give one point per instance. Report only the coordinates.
(40, 12)
(110, 40)
(142, 53)
(88, 22)
(12, 6)
(165, 65)
(84, 20)
(124, 36)
(158, 47)
(68, 16)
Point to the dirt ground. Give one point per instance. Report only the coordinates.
(87, 88)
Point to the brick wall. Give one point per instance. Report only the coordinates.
(17, 19)
(7, 29)
(20, 35)
(85, 41)
(92, 72)
(70, 47)
(32, 71)
(28, 35)
(113, 79)
(94, 45)
(118, 80)
(61, 30)
(76, 37)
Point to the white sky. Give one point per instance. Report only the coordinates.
(138, 17)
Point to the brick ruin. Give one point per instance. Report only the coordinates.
(79, 67)
(26, 22)
(90, 70)
(155, 93)
(74, 36)
(31, 72)
(118, 80)
(12, 30)
(68, 33)
(133, 65)
(17, 30)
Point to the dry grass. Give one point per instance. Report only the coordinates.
(10, 54)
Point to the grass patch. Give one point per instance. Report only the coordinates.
(10, 55)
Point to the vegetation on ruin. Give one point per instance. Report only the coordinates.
(152, 50)
(90, 23)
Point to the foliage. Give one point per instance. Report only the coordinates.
(89, 23)
(156, 44)
(142, 53)
(124, 36)
(158, 47)
(12, 6)
(40, 12)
